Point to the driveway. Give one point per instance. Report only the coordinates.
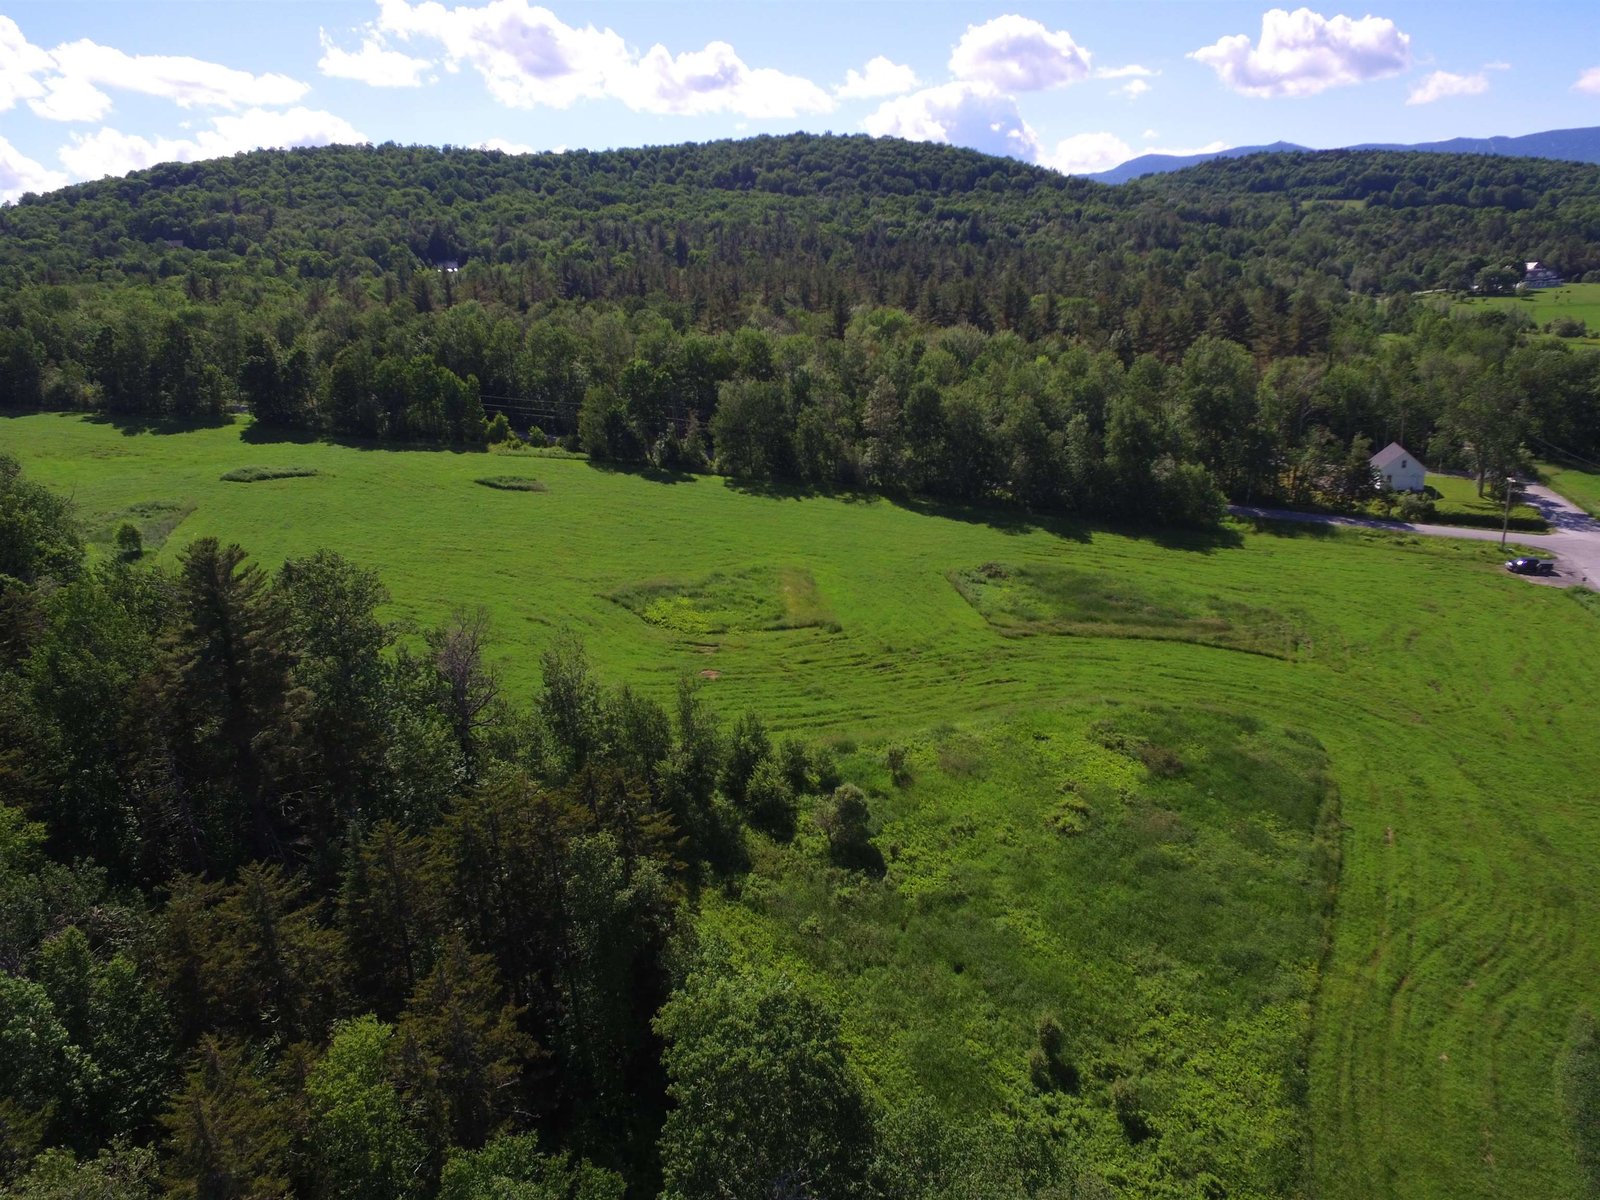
(1574, 540)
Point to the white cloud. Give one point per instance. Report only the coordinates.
(715, 80)
(1149, 134)
(1497, 66)
(1133, 89)
(528, 56)
(505, 147)
(976, 115)
(1123, 72)
(111, 152)
(1018, 54)
(1589, 82)
(880, 77)
(187, 82)
(1442, 84)
(1303, 53)
(1086, 153)
(21, 63)
(1185, 151)
(71, 99)
(373, 64)
(65, 84)
(19, 174)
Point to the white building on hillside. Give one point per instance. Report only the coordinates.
(1398, 469)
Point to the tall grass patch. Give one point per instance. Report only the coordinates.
(1022, 601)
(763, 598)
(262, 474)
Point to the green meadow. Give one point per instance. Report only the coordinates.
(1581, 487)
(1579, 300)
(1292, 834)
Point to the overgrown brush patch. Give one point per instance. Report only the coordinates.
(1020, 601)
(512, 483)
(261, 474)
(1070, 931)
(153, 519)
(762, 598)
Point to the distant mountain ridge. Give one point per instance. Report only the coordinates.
(1572, 145)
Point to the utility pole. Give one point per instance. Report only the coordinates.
(1511, 485)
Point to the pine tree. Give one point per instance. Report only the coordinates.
(227, 1134)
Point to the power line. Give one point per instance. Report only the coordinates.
(1577, 458)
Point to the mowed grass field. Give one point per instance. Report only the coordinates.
(1581, 487)
(1459, 502)
(1447, 705)
(1543, 305)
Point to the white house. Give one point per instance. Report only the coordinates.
(1398, 469)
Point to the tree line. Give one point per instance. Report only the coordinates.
(295, 903)
(834, 312)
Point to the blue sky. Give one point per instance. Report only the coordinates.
(90, 89)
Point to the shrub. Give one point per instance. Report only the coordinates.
(498, 431)
(896, 759)
(1127, 1101)
(130, 542)
(769, 801)
(845, 820)
(1414, 507)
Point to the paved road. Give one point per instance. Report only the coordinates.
(1574, 540)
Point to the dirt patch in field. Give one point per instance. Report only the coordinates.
(710, 674)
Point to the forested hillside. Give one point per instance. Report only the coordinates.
(835, 310)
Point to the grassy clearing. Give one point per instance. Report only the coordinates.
(1049, 598)
(511, 483)
(1467, 926)
(262, 474)
(1579, 300)
(761, 599)
(1580, 487)
(1459, 504)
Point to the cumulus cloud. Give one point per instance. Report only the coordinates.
(112, 152)
(1441, 84)
(1086, 153)
(1018, 54)
(1589, 82)
(880, 77)
(21, 63)
(1303, 53)
(1133, 89)
(19, 174)
(715, 79)
(976, 115)
(71, 99)
(373, 64)
(527, 56)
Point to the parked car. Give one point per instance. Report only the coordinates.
(1531, 566)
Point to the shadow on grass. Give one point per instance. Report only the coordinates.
(257, 434)
(1295, 529)
(769, 489)
(134, 424)
(645, 471)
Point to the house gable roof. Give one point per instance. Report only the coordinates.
(1391, 453)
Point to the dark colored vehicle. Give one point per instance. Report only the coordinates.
(1531, 566)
